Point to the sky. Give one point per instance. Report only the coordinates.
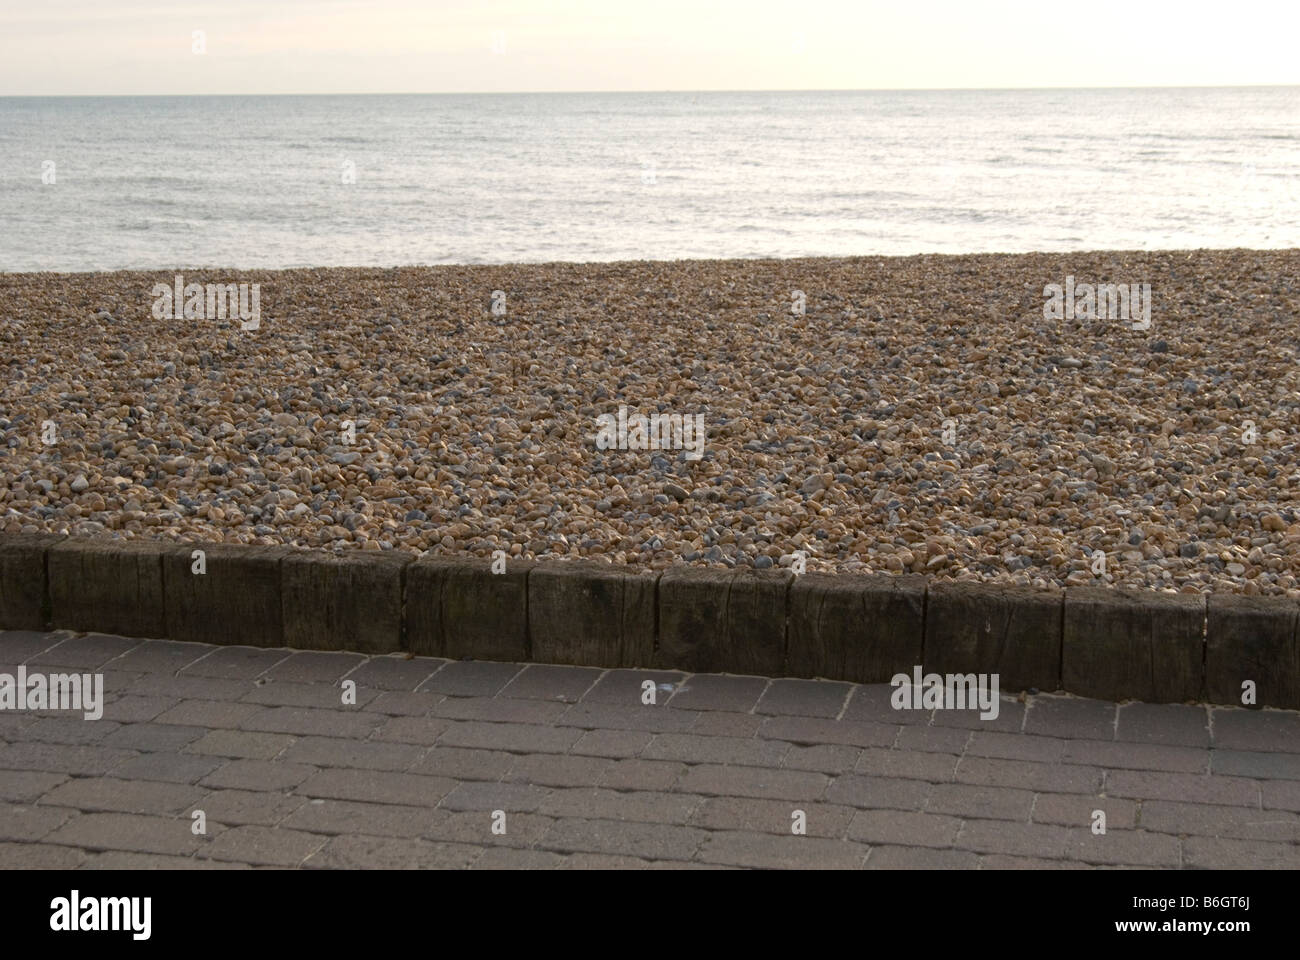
(80, 47)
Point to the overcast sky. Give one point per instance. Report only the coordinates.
(381, 46)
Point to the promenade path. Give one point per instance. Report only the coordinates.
(455, 764)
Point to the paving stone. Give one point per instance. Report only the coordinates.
(236, 663)
(804, 698)
(477, 826)
(471, 678)
(600, 804)
(1173, 724)
(872, 703)
(134, 709)
(903, 827)
(500, 710)
(315, 666)
(1136, 756)
(69, 729)
(124, 796)
(127, 831)
(387, 853)
(374, 786)
(241, 743)
(303, 721)
(920, 858)
(252, 807)
(689, 748)
(932, 739)
(991, 803)
(487, 795)
(122, 860)
(514, 737)
(209, 713)
(624, 687)
(80, 761)
(258, 775)
(639, 774)
(276, 847)
(1208, 820)
(12, 725)
(359, 754)
(18, 646)
(25, 786)
(541, 682)
(1132, 847)
(1019, 839)
(168, 767)
(26, 855)
(396, 672)
(399, 703)
(160, 656)
(464, 764)
(997, 861)
(1047, 777)
(1068, 810)
(716, 723)
(655, 841)
(566, 771)
(423, 730)
(23, 822)
(812, 731)
(84, 653)
(1072, 718)
(878, 793)
(1016, 746)
(1261, 766)
(718, 692)
(187, 687)
(1010, 718)
(1280, 795)
(1221, 854)
(610, 716)
(763, 850)
(319, 696)
(831, 758)
(717, 780)
(771, 816)
(358, 819)
(616, 744)
(1190, 787)
(1259, 730)
(147, 737)
(881, 762)
(504, 858)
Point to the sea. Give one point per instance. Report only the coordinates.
(104, 183)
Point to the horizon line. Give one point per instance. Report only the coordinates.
(514, 93)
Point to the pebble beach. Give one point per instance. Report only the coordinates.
(861, 415)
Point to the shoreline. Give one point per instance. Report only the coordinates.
(826, 432)
(712, 261)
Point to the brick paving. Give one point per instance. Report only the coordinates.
(463, 764)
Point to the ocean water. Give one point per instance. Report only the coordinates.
(92, 183)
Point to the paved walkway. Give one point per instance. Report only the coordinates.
(475, 764)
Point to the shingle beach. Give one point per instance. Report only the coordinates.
(921, 414)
